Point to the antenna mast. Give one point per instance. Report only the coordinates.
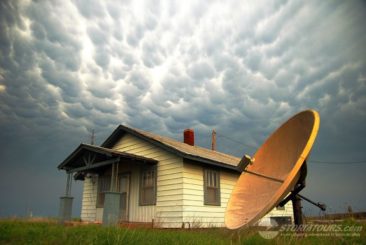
(213, 144)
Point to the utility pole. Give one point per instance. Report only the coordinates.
(213, 144)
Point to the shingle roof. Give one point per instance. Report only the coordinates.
(195, 153)
(74, 159)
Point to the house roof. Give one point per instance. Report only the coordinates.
(87, 156)
(186, 151)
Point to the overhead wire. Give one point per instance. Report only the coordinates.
(331, 162)
(236, 141)
(311, 160)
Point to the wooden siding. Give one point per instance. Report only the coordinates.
(168, 209)
(88, 210)
(179, 191)
(196, 214)
(288, 211)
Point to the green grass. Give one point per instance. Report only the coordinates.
(43, 232)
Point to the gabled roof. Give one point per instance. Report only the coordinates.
(87, 156)
(186, 151)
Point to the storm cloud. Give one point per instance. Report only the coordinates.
(67, 67)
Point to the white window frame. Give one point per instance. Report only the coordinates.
(211, 183)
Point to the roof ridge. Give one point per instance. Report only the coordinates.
(154, 135)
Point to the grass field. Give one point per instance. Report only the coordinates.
(49, 232)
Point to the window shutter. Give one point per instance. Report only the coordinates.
(154, 184)
(205, 179)
(218, 196)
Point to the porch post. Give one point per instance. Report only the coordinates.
(112, 199)
(65, 211)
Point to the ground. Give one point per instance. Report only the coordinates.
(48, 231)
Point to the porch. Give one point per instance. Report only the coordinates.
(111, 184)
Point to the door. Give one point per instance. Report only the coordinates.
(124, 189)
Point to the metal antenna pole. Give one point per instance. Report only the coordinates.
(320, 205)
(68, 185)
(296, 200)
(112, 178)
(213, 143)
(297, 209)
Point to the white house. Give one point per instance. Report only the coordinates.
(154, 179)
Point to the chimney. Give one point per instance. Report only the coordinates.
(189, 136)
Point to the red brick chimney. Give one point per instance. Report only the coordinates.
(189, 136)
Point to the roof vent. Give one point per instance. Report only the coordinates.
(189, 136)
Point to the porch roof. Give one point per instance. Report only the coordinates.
(86, 157)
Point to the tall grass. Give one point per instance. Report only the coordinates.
(23, 232)
(43, 232)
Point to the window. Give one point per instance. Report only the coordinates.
(148, 186)
(211, 187)
(104, 184)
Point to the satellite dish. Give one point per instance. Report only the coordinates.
(273, 172)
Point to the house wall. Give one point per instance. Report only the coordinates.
(287, 212)
(196, 214)
(169, 204)
(179, 191)
(88, 210)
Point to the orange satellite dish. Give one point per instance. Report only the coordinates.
(274, 171)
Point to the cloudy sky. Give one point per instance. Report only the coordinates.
(67, 67)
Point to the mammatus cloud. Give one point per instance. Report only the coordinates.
(68, 67)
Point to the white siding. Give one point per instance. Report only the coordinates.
(179, 190)
(168, 209)
(136, 213)
(88, 211)
(278, 213)
(196, 214)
